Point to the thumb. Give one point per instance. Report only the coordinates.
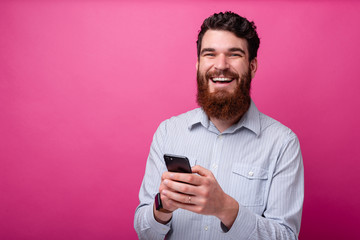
(201, 171)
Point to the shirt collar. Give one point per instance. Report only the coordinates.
(199, 117)
(250, 120)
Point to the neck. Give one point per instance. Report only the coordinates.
(222, 125)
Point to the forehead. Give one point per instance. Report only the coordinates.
(222, 40)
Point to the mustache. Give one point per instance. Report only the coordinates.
(221, 73)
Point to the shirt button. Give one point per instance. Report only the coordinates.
(214, 166)
(251, 173)
(220, 137)
(206, 228)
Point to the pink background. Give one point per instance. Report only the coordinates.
(84, 85)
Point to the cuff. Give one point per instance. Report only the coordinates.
(243, 226)
(155, 225)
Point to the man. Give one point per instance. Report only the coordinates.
(247, 180)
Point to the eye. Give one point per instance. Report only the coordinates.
(209, 55)
(235, 55)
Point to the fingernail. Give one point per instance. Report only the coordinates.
(164, 192)
(166, 181)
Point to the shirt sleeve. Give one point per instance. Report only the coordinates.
(282, 216)
(144, 222)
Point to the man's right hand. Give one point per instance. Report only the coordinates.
(162, 217)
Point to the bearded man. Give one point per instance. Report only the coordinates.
(247, 177)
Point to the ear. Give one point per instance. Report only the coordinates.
(197, 65)
(253, 67)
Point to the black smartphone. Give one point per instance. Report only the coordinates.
(175, 163)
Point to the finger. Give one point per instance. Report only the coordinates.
(163, 187)
(179, 197)
(180, 187)
(165, 175)
(201, 171)
(162, 184)
(167, 203)
(190, 207)
(184, 177)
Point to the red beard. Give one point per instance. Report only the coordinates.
(221, 104)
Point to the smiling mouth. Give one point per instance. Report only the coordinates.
(221, 80)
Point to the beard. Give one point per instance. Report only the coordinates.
(222, 104)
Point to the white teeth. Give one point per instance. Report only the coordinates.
(221, 79)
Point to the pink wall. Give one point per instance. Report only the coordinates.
(84, 85)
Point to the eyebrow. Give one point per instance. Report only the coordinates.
(207, 50)
(230, 50)
(237, 50)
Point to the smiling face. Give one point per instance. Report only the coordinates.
(224, 75)
(223, 58)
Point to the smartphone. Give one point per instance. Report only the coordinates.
(175, 163)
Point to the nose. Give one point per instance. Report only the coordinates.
(221, 62)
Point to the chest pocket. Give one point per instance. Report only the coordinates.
(248, 184)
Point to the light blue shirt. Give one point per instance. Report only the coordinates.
(256, 161)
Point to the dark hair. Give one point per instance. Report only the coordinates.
(234, 23)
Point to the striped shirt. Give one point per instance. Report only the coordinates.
(257, 161)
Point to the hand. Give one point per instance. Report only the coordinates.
(160, 216)
(199, 194)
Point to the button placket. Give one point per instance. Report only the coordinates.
(217, 154)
